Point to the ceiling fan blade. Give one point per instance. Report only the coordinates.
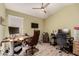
(45, 11)
(46, 5)
(42, 4)
(36, 8)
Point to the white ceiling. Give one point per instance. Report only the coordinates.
(27, 8)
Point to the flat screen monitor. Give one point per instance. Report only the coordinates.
(34, 25)
(13, 30)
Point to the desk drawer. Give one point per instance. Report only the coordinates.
(76, 47)
(76, 52)
(76, 43)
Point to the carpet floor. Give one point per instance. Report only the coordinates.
(45, 49)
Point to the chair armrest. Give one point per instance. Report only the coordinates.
(27, 40)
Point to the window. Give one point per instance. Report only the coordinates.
(15, 22)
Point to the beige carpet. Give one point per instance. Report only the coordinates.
(46, 49)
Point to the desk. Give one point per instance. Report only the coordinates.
(76, 47)
(11, 42)
(18, 38)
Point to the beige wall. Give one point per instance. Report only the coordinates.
(27, 21)
(3, 15)
(26, 25)
(2, 10)
(67, 17)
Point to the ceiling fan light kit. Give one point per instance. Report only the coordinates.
(42, 9)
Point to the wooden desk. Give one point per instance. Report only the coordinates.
(18, 38)
(76, 47)
(11, 41)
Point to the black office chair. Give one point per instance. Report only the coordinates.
(45, 37)
(53, 39)
(69, 45)
(34, 40)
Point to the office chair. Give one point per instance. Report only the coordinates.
(34, 40)
(45, 37)
(61, 39)
(63, 42)
(69, 45)
(53, 39)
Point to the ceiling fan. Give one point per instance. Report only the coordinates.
(43, 7)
